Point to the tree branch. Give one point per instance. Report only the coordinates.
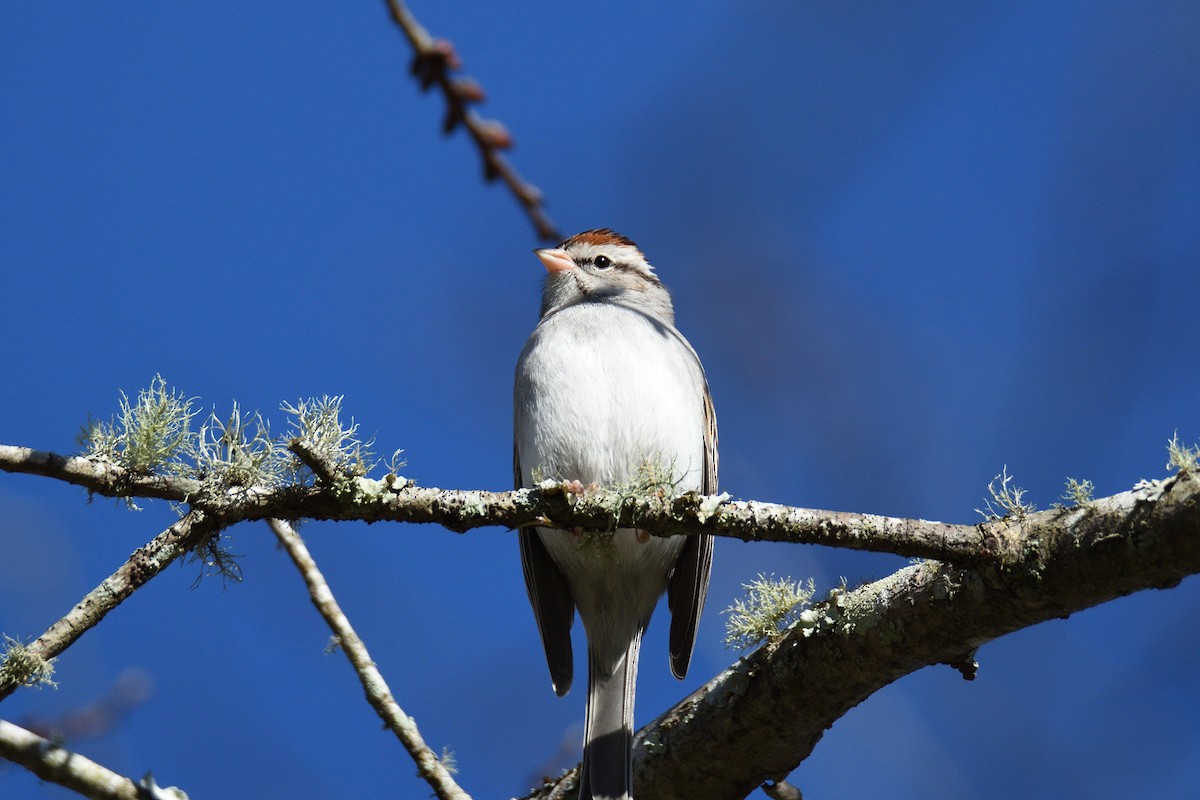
(325, 470)
(345, 498)
(109, 480)
(144, 564)
(429, 766)
(1008, 574)
(433, 63)
(856, 642)
(54, 763)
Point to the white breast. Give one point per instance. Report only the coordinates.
(600, 390)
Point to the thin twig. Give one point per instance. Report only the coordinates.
(433, 63)
(52, 762)
(326, 471)
(144, 564)
(378, 694)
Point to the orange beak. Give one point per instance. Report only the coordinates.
(555, 259)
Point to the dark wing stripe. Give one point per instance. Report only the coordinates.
(689, 583)
(553, 606)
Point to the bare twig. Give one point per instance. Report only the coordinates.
(433, 63)
(378, 694)
(144, 564)
(54, 763)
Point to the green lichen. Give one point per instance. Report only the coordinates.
(1079, 493)
(318, 423)
(148, 436)
(20, 666)
(240, 451)
(1181, 458)
(770, 607)
(1008, 498)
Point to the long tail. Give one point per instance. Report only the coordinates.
(607, 772)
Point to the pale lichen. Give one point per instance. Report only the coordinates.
(239, 451)
(20, 666)
(710, 505)
(1180, 457)
(318, 424)
(148, 436)
(1079, 493)
(1008, 498)
(770, 607)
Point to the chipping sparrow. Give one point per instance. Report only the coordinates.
(604, 386)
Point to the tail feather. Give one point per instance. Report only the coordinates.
(607, 772)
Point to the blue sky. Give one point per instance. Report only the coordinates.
(912, 243)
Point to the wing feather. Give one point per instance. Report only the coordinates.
(553, 606)
(689, 582)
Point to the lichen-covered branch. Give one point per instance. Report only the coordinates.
(429, 766)
(398, 500)
(344, 495)
(52, 762)
(856, 642)
(96, 476)
(146, 562)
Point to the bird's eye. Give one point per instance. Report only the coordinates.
(602, 262)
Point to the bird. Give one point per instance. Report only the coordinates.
(606, 387)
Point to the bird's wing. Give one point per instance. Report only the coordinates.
(689, 582)
(553, 606)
